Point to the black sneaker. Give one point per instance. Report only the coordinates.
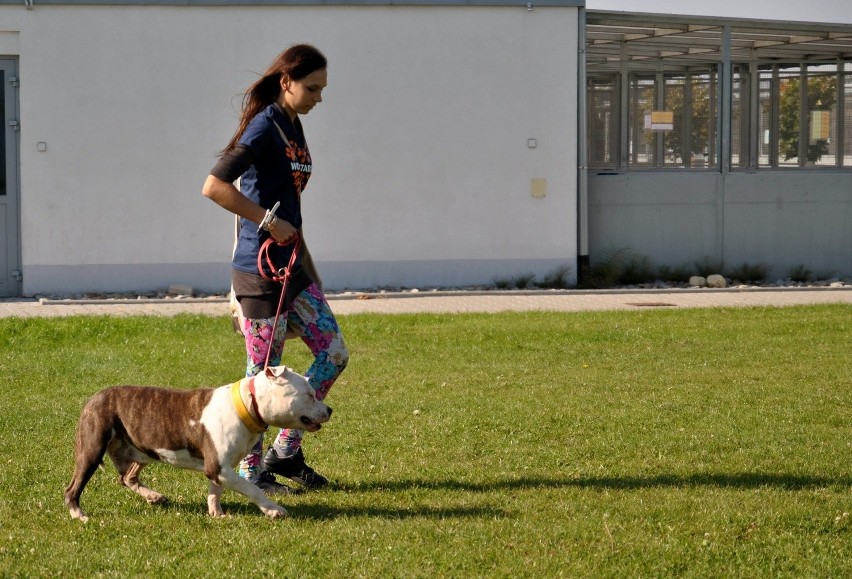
(267, 483)
(294, 468)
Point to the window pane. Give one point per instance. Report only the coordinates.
(799, 116)
(822, 116)
(789, 108)
(847, 120)
(603, 125)
(676, 141)
(643, 141)
(740, 124)
(767, 131)
(692, 140)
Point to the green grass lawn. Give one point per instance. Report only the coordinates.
(689, 443)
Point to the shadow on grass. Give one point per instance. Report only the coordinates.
(314, 511)
(700, 480)
(416, 512)
(334, 512)
(736, 481)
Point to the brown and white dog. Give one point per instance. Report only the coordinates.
(205, 429)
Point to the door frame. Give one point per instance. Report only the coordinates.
(10, 214)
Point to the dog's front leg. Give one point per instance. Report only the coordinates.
(231, 480)
(214, 505)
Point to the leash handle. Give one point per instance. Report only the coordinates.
(264, 261)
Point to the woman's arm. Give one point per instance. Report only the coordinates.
(229, 197)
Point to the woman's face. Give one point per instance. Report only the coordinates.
(298, 97)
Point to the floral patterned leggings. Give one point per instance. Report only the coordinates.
(312, 319)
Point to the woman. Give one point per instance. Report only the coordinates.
(270, 156)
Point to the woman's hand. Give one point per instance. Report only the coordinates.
(282, 231)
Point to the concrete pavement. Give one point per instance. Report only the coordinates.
(455, 301)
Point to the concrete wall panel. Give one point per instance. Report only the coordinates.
(420, 147)
(781, 219)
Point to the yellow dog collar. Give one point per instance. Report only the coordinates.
(243, 412)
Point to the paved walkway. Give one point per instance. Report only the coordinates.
(456, 302)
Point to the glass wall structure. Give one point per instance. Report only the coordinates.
(657, 92)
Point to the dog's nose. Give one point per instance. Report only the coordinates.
(329, 411)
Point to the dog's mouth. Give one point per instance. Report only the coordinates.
(310, 425)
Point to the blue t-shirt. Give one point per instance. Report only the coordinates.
(280, 172)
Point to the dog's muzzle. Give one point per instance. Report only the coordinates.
(312, 425)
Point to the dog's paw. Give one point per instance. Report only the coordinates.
(156, 499)
(277, 512)
(80, 516)
(214, 507)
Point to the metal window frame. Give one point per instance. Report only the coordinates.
(644, 41)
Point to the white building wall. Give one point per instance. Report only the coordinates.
(422, 169)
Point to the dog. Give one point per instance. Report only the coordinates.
(204, 429)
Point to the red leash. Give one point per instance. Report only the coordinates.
(278, 275)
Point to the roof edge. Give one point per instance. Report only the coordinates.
(593, 16)
(521, 3)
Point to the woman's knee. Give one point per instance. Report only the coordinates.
(338, 352)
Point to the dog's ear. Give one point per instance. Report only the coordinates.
(276, 371)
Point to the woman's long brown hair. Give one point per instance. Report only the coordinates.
(296, 62)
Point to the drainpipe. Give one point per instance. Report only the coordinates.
(582, 154)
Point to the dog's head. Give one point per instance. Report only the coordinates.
(286, 400)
